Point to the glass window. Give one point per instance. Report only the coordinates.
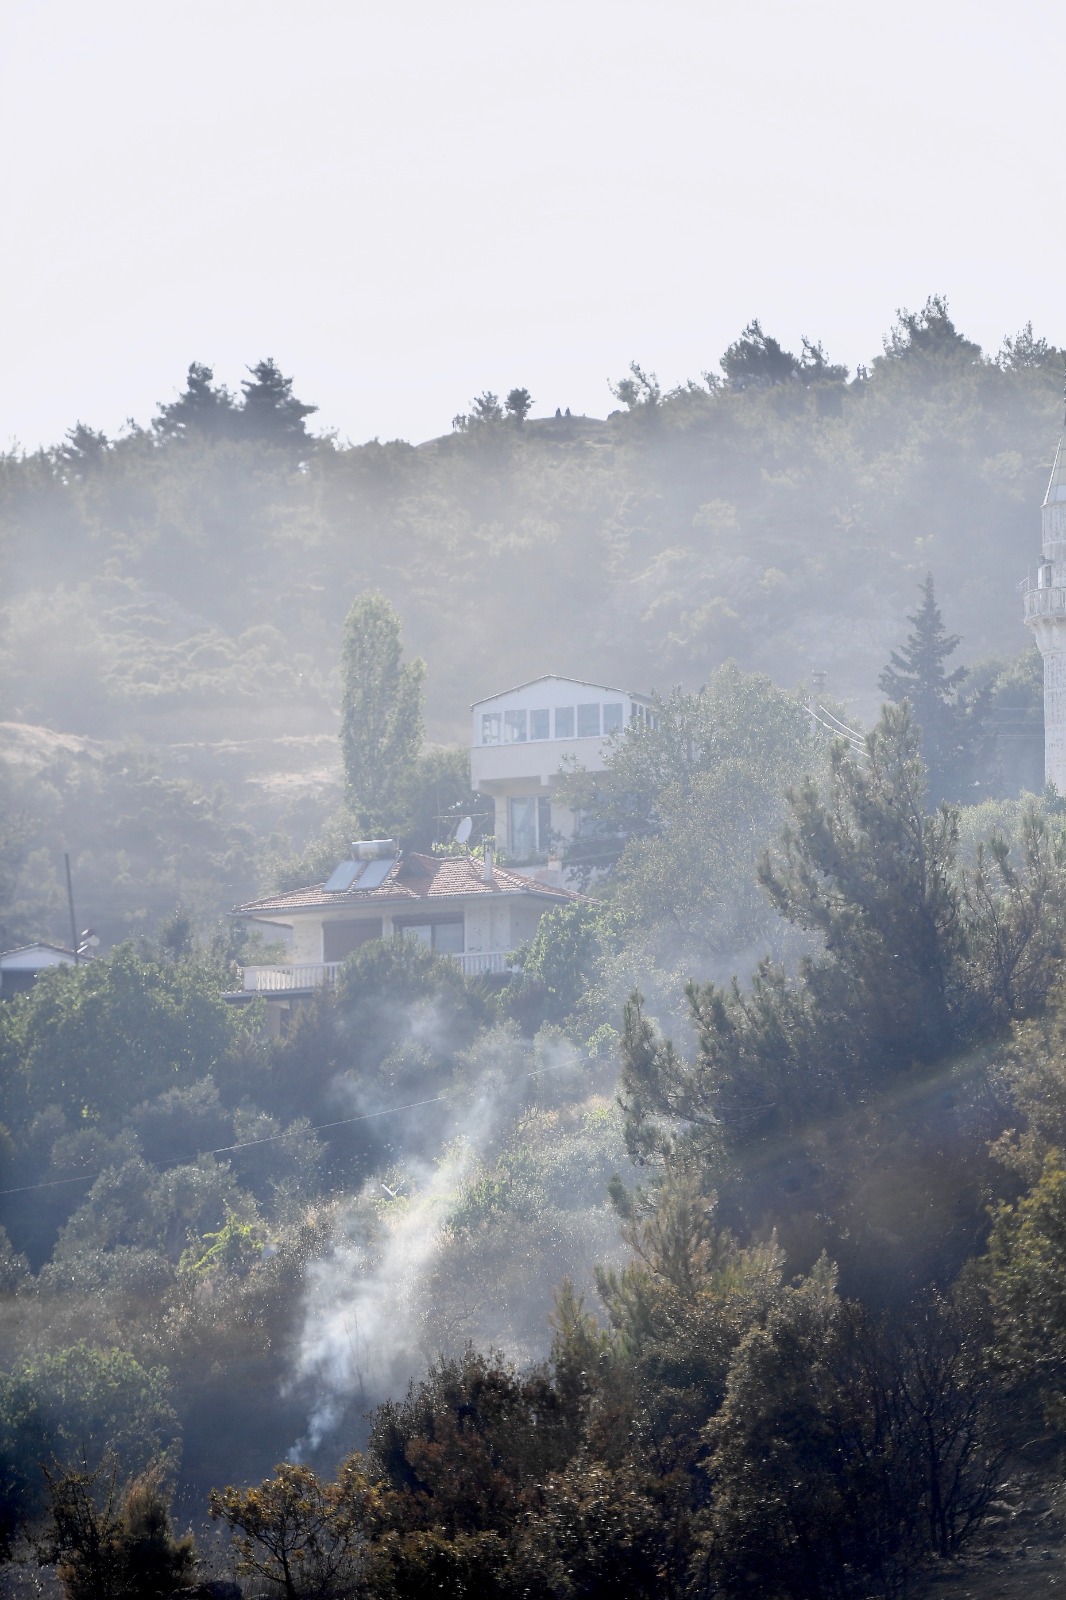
(588, 722)
(514, 727)
(612, 718)
(544, 825)
(490, 727)
(447, 937)
(339, 939)
(564, 722)
(538, 725)
(523, 829)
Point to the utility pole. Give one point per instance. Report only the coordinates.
(70, 903)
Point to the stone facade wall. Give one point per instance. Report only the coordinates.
(1055, 706)
(1050, 635)
(306, 940)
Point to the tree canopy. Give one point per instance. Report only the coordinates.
(950, 726)
(270, 411)
(202, 407)
(381, 712)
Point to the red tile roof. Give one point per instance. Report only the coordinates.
(415, 878)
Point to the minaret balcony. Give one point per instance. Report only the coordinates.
(1044, 603)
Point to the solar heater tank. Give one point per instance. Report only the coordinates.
(374, 849)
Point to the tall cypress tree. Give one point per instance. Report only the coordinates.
(381, 713)
(949, 727)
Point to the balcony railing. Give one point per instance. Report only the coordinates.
(475, 963)
(1044, 602)
(300, 975)
(304, 975)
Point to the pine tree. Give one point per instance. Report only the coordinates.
(518, 404)
(757, 361)
(486, 408)
(870, 873)
(84, 452)
(866, 868)
(202, 407)
(949, 726)
(381, 713)
(928, 338)
(271, 411)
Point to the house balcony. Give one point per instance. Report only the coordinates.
(1044, 602)
(302, 977)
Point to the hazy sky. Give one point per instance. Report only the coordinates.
(407, 203)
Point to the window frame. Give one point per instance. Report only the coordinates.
(590, 705)
(539, 832)
(418, 927)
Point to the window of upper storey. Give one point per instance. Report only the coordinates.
(588, 722)
(539, 725)
(491, 725)
(564, 722)
(448, 935)
(514, 727)
(612, 717)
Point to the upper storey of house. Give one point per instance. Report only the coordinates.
(528, 732)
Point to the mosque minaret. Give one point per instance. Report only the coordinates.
(1045, 615)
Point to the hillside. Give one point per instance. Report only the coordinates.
(181, 590)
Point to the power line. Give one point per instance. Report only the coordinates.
(825, 719)
(270, 1138)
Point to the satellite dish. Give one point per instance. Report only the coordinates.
(464, 830)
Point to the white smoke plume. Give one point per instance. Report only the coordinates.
(361, 1336)
(365, 1333)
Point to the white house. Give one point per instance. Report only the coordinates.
(19, 968)
(470, 910)
(523, 737)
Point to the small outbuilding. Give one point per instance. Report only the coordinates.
(19, 967)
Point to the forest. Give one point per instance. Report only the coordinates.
(719, 1251)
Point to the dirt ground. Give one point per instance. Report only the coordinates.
(1020, 1552)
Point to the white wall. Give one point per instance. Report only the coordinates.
(491, 925)
(306, 940)
(538, 761)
